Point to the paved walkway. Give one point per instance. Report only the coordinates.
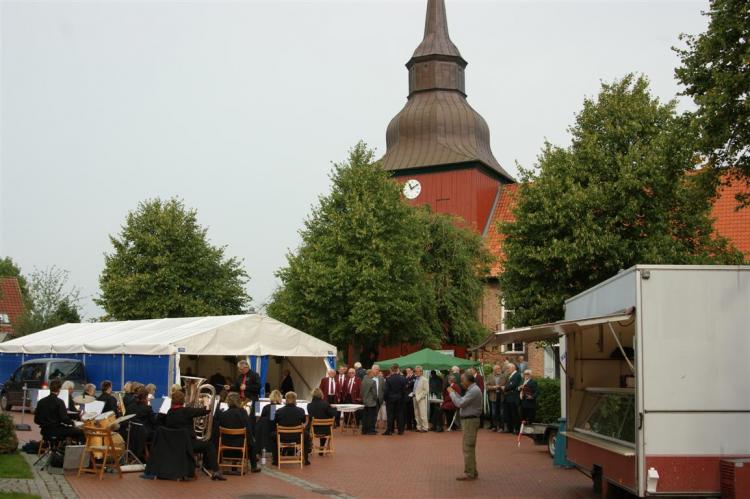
(408, 466)
(45, 485)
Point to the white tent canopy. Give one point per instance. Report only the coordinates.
(214, 335)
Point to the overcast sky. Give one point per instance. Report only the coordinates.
(239, 108)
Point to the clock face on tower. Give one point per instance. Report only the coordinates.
(412, 188)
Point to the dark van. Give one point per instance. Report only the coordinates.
(37, 373)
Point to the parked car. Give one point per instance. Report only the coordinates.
(36, 374)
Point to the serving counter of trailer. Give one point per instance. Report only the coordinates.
(656, 363)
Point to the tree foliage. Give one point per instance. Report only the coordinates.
(621, 194)
(716, 73)
(54, 302)
(372, 270)
(164, 266)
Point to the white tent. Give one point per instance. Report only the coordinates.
(254, 336)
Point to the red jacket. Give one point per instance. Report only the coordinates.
(448, 404)
(340, 381)
(351, 391)
(325, 385)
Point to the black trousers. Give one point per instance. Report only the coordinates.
(512, 421)
(208, 451)
(528, 414)
(395, 413)
(369, 416)
(436, 417)
(411, 421)
(63, 432)
(497, 412)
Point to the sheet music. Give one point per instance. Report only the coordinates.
(223, 406)
(165, 405)
(64, 395)
(95, 407)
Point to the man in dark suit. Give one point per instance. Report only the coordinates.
(291, 415)
(330, 388)
(511, 399)
(247, 384)
(52, 416)
(411, 423)
(181, 417)
(110, 402)
(395, 395)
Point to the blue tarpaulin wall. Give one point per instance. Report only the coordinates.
(117, 368)
(154, 368)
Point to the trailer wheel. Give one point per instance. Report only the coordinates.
(551, 442)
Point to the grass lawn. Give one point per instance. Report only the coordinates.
(14, 466)
(17, 495)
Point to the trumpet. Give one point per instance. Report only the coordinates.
(200, 394)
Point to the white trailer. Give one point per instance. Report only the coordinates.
(657, 377)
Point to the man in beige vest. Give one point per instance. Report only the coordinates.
(421, 394)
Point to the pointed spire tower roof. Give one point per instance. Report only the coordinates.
(437, 127)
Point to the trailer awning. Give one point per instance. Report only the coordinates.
(551, 331)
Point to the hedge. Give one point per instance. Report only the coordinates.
(548, 400)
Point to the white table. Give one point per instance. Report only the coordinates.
(348, 416)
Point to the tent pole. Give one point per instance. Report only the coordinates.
(299, 374)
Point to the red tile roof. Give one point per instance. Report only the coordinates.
(503, 213)
(11, 302)
(730, 223)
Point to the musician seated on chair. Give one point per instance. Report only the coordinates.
(320, 409)
(110, 402)
(235, 418)
(52, 416)
(181, 417)
(142, 426)
(291, 415)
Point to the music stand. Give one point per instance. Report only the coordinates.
(128, 457)
(23, 426)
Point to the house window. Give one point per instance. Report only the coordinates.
(517, 347)
(4, 319)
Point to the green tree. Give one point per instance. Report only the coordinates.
(621, 194)
(357, 276)
(455, 260)
(372, 270)
(54, 302)
(9, 268)
(716, 73)
(164, 266)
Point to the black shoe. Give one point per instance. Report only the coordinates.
(218, 476)
(387, 433)
(307, 462)
(274, 463)
(320, 453)
(401, 433)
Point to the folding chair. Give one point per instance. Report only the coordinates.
(101, 451)
(315, 426)
(298, 447)
(232, 462)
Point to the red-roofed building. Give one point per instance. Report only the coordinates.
(11, 305)
(732, 223)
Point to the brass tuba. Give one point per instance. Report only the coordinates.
(202, 395)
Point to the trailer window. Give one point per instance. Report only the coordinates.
(610, 414)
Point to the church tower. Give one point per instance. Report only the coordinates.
(438, 146)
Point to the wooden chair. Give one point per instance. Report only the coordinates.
(233, 462)
(101, 451)
(298, 447)
(315, 426)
